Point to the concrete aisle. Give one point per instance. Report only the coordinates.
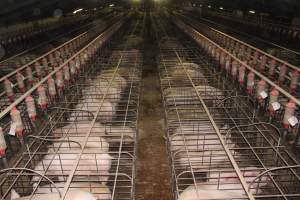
(153, 169)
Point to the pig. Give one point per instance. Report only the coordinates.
(195, 141)
(201, 159)
(128, 55)
(93, 142)
(77, 194)
(111, 133)
(224, 185)
(169, 43)
(130, 73)
(199, 144)
(177, 76)
(115, 133)
(92, 105)
(197, 137)
(133, 41)
(100, 191)
(190, 112)
(188, 96)
(230, 180)
(212, 96)
(61, 164)
(118, 81)
(178, 70)
(79, 129)
(98, 91)
(206, 192)
(180, 67)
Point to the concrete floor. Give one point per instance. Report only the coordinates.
(153, 181)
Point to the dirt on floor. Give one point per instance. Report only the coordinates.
(153, 178)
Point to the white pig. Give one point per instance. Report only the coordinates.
(199, 144)
(97, 91)
(230, 180)
(61, 164)
(117, 81)
(128, 55)
(169, 43)
(93, 142)
(115, 133)
(224, 185)
(106, 113)
(100, 191)
(133, 40)
(181, 70)
(111, 133)
(130, 73)
(188, 96)
(197, 137)
(206, 192)
(71, 195)
(201, 159)
(80, 128)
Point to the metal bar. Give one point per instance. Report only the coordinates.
(195, 34)
(19, 100)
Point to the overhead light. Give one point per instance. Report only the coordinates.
(252, 11)
(77, 11)
(160, 1)
(95, 8)
(209, 6)
(111, 5)
(200, 5)
(221, 8)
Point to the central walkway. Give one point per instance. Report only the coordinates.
(153, 170)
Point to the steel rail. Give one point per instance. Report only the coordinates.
(196, 35)
(45, 42)
(257, 38)
(75, 165)
(257, 155)
(126, 113)
(177, 112)
(274, 148)
(48, 41)
(33, 153)
(230, 156)
(102, 36)
(217, 131)
(48, 53)
(213, 35)
(255, 21)
(32, 89)
(30, 170)
(42, 26)
(40, 57)
(249, 45)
